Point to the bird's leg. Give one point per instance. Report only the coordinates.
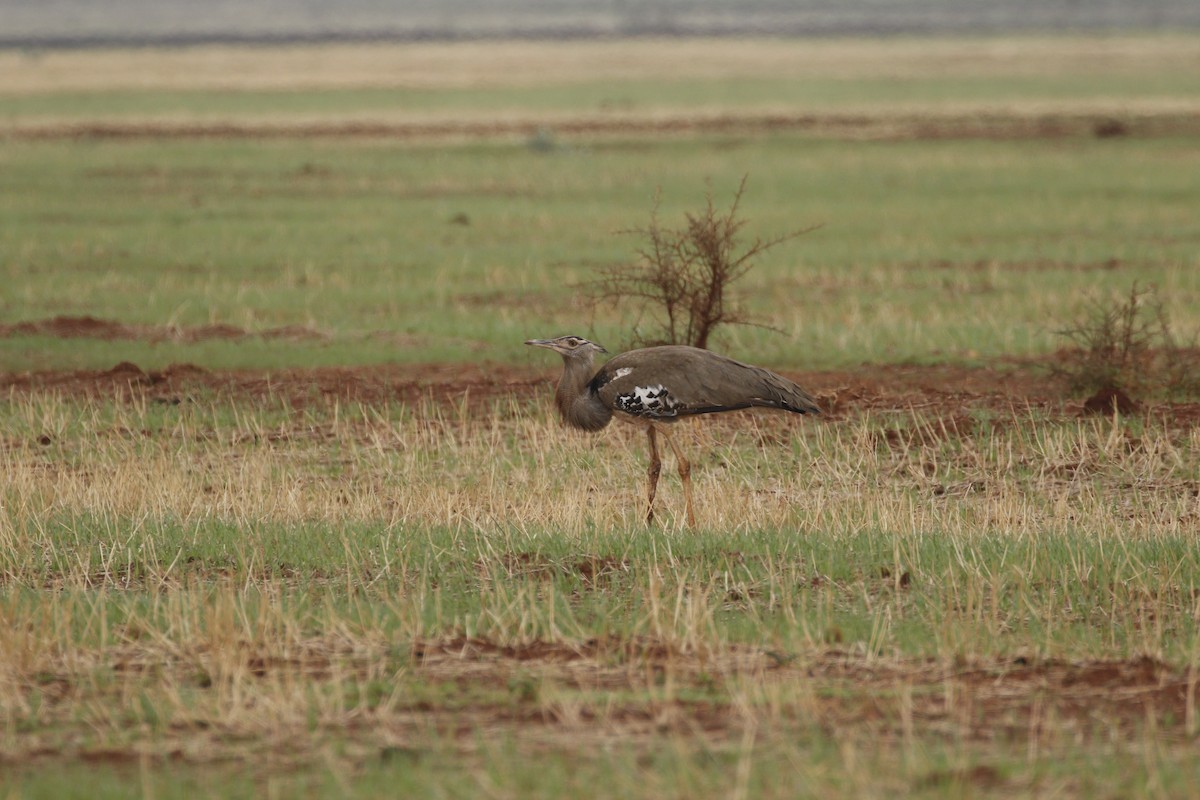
(652, 474)
(685, 475)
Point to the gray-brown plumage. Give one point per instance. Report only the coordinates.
(657, 385)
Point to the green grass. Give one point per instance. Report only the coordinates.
(1007, 596)
(861, 770)
(942, 250)
(930, 250)
(828, 94)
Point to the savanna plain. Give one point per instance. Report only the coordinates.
(286, 510)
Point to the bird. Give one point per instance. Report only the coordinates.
(655, 386)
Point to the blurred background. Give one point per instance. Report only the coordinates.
(297, 183)
(79, 22)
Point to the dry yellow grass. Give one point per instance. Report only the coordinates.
(513, 468)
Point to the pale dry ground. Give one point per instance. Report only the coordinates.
(540, 63)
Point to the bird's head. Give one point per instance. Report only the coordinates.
(569, 346)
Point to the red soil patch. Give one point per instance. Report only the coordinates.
(987, 699)
(947, 391)
(297, 387)
(999, 699)
(85, 327)
(981, 700)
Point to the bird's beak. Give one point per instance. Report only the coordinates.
(538, 342)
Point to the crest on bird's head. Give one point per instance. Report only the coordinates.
(568, 345)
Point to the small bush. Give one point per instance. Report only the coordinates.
(681, 279)
(1128, 346)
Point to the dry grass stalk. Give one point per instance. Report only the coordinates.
(514, 471)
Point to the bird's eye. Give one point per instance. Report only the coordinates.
(573, 342)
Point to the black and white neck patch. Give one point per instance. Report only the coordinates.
(648, 401)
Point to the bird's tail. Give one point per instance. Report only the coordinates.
(786, 395)
(801, 402)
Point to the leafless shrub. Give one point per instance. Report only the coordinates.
(1128, 345)
(681, 278)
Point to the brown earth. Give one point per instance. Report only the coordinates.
(985, 699)
(991, 124)
(86, 327)
(1008, 387)
(980, 701)
(1005, 386)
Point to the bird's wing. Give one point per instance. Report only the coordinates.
(672, 381)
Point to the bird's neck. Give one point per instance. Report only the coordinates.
(579, 406)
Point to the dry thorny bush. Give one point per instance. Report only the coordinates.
(1127, 346)
(682, 276)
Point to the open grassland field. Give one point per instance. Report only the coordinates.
(465, 596)
(489, 82)
(285, 510)
(373, 251)
(971, 222)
